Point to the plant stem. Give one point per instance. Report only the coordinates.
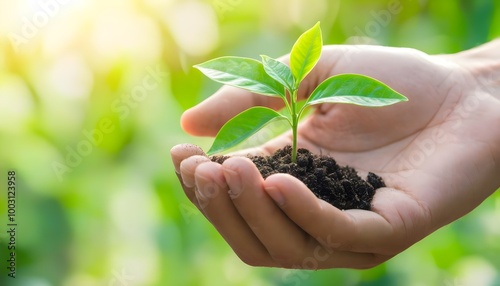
(295, 123)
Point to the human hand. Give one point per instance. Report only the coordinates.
(437, 153)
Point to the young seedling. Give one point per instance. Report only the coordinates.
(271, 77)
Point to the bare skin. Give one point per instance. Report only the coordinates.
(439, 154)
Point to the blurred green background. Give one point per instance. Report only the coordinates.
(91, 93)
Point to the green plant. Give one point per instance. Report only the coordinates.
(271, 77)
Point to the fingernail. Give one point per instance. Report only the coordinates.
(202, 201)
(234, 183)
(187, 178)
(207, 191)
(276, 195)
(188, 169)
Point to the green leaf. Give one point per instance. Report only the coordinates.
(305, 53)
(279, 71)
(243, 126)
(244, 73)
(300, 105)
(355, 89)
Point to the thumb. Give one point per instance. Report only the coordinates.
(206, 118)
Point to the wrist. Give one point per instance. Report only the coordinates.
(483, 64)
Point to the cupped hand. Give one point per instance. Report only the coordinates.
(439, 154)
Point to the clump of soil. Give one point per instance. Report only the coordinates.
(340, 186)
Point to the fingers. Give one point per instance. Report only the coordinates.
(233, 198)
(284, 241)
(351, 230)
(214, 201)
(204, 184)
(183, 151)
(187, 173)
(179, 154)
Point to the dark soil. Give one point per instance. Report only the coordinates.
(340, 186)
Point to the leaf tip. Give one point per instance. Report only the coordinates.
(317, 27)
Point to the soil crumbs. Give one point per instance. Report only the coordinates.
(339, 186)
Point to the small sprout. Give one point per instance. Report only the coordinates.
(271, 77)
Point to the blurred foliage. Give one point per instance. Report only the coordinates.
(91, 93)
